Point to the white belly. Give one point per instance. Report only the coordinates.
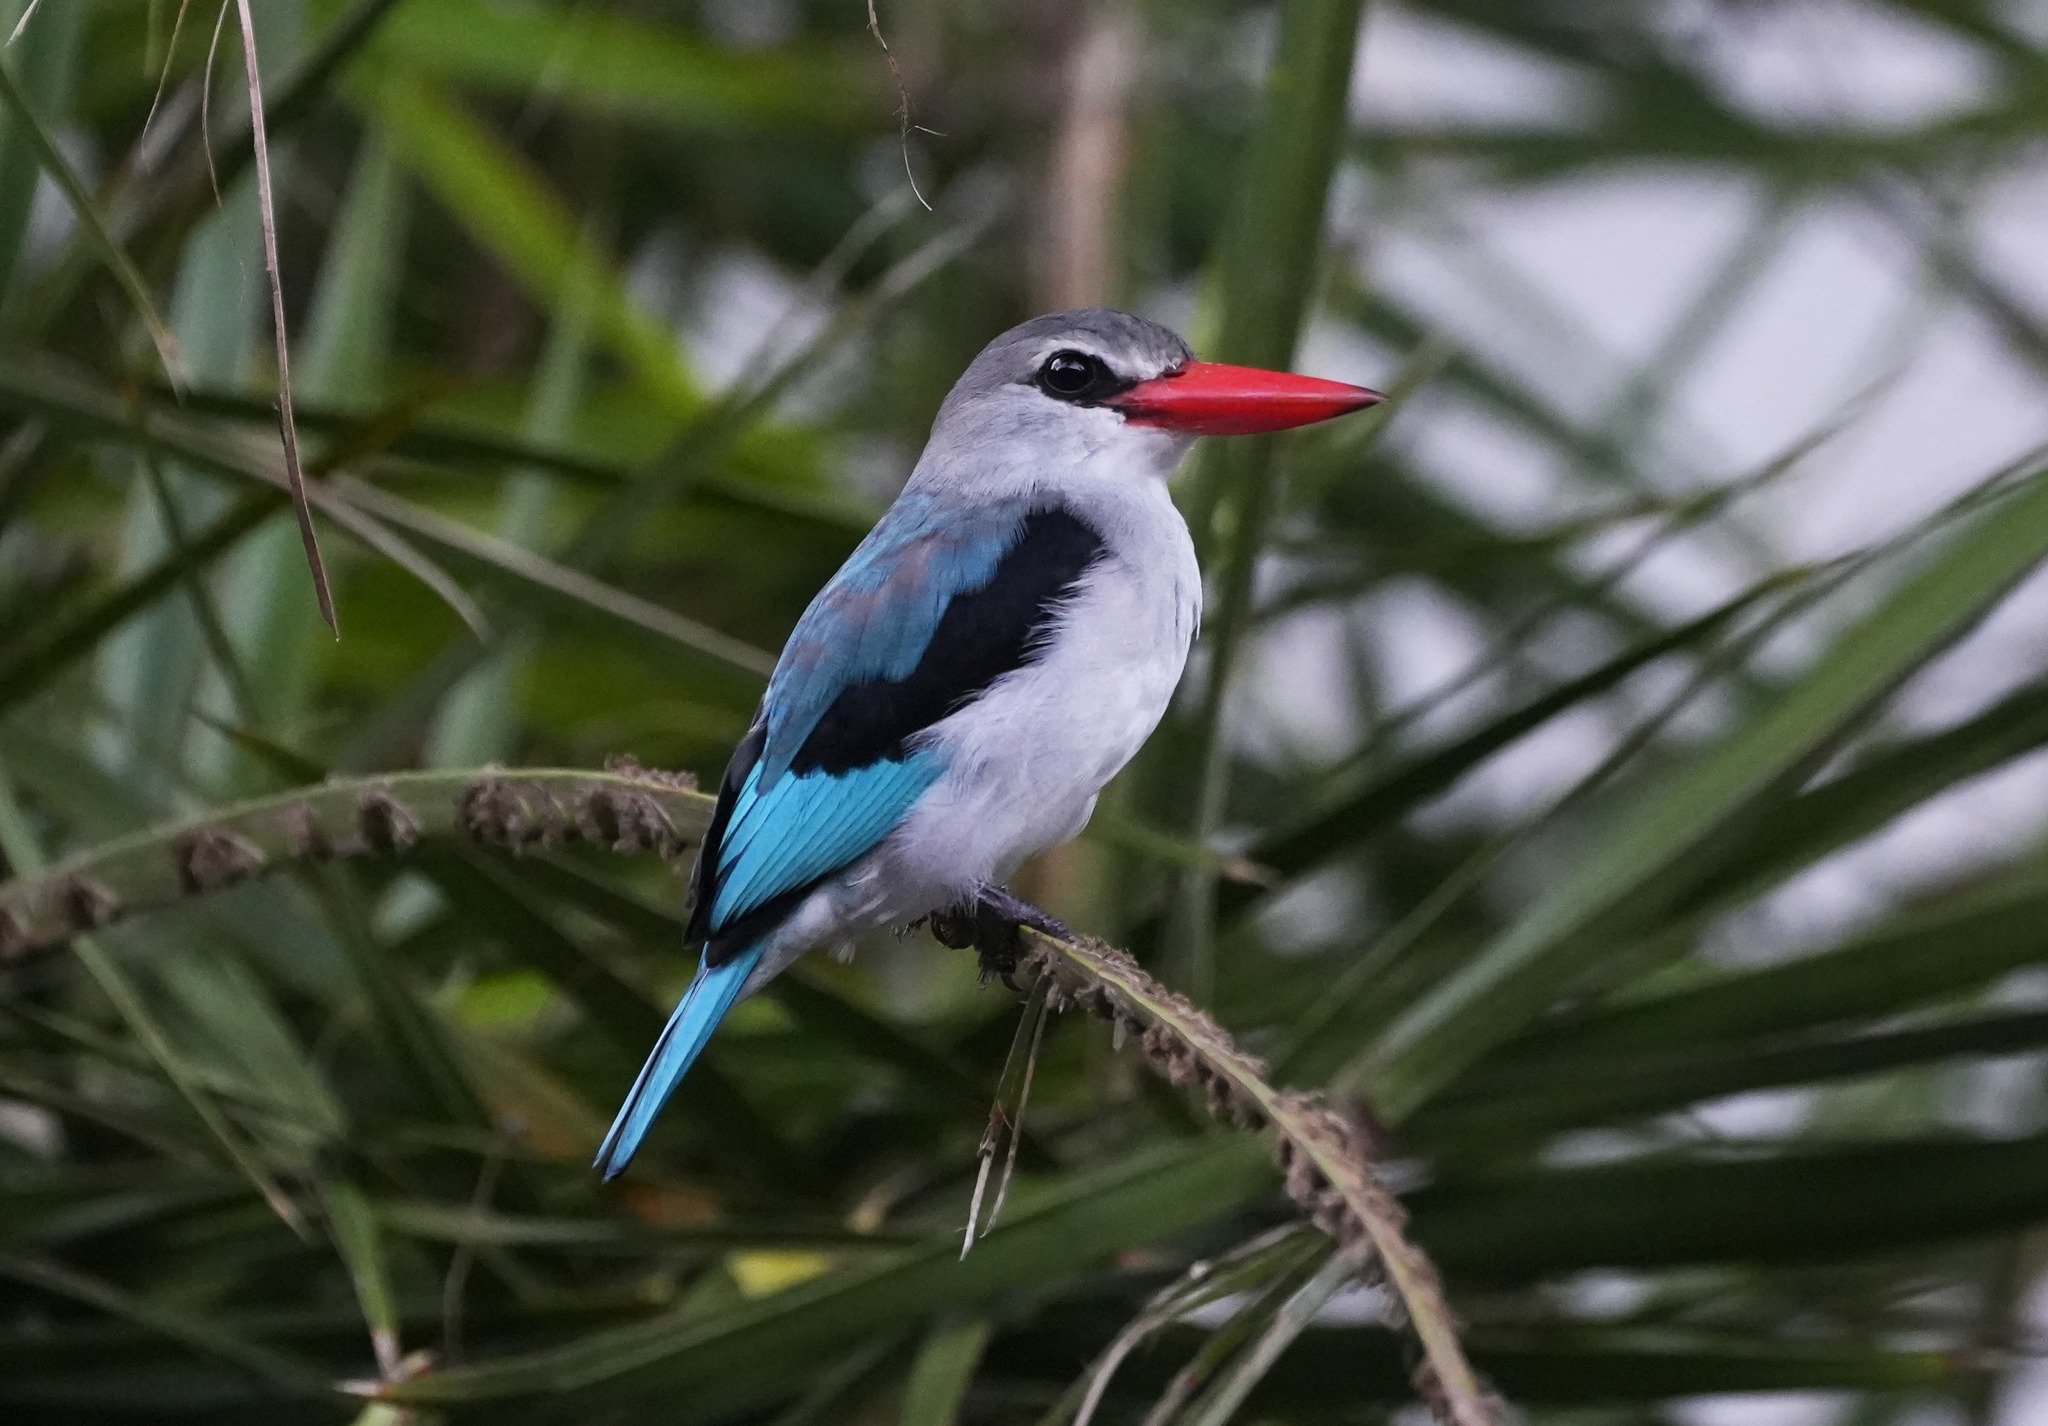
(1025, 761)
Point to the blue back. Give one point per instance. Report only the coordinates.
(876, 617)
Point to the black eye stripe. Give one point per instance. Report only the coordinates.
(1081, 378)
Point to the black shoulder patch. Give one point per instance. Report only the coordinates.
(983, 635)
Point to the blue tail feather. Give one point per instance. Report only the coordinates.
(704, 1004)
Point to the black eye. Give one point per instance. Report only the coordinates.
(1073, 375)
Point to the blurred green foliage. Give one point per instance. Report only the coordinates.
(614, 326)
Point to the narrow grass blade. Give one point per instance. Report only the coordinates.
(45, 57)
(780, 491)
(1364, 800)
(1335, 1373)
(470, 1225)
(21, 851)
(563, 584)
(353, 1226)
(742, 1355)
(511, 212)
(1518, 1104)
(943, 1370)
(1806, 1205)
(1250, 1314)
(1221, 1403)
(1275, 1256)
(626, 64)
(377, 533)
(1928, 955)
(1887, 782)
(475, 725)
(90, 220)
(288, 427)
(1267, 276)
(423, 1051)
(1514, 978)
(280, 1372)
(227, 664)
(30, 666)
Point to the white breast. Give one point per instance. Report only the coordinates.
(1026, 759)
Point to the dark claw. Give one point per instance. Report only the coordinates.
(955, 928)
(999, 942)
(993, 925)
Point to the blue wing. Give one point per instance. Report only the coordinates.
(805, 827)
(770, 849)
(933, 607)
(874, 622)
(829, 770)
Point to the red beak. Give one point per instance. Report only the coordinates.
(1207, 398)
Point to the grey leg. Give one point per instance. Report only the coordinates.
(1000, 902)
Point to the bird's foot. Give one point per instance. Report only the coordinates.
(1015, 911)
(1001, 919)
(953, 928)
(1001, 946)
(993, 924)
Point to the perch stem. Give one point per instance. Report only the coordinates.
(1324, 1159)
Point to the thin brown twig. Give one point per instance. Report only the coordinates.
(903, 124)
(1328, 1169)
(288, 428)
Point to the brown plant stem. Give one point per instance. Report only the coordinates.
(287, 424)
(626, 808)
(1323, 1159)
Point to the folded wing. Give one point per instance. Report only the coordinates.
(932, 608)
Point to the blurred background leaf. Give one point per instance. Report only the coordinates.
(1615, 771)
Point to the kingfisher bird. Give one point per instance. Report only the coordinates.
(997, 648)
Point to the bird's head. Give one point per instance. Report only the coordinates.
(1071, 388)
